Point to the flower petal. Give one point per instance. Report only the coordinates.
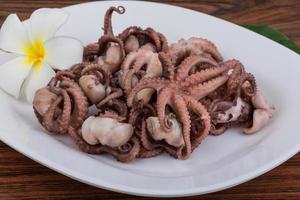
(13, 35)
(5, 57)
(13, 73)
(63, 52)
(38, 78)
(45, 22)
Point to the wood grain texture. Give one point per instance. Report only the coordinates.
(22, 178)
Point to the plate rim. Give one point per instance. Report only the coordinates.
(154, 193)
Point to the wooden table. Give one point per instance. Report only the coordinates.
(22, 178)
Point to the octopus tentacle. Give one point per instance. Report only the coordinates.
(126, 66)
(83, 145)
(48, 120)
(144, 153)
(120, 106)
(59, 76)
(107, 19)
(133, 116)
(235, 77)
(113, 115)
(248, 85)
(117, 105)
(129, 59)
(164, 42)
(128, 80)
(211, 49)
(80, 102)
(65, 116)
(193, 46)
(105, 40)
(90, 53)
(162, 101)
(135, 111)
(143, 37)
(77, 69)
(149, 149)
(146, 57)
(181, 109)
(139, 112)
(131, 70)
(216, 130)
(155, 83)
(131, 65)
(186, 65)
(116, 94)
(69, 84)
(58, 124)
(201, 90)
(155, 38)
(122, 156)
(52, 86)
(203, 75)
(167, 63)
(128, 155)
(104, 75)
(200, 110)
(80, 110)
(131, 30)
(225, 114)
(145, 138)
(218, 105)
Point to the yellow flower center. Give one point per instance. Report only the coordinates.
(35, 53)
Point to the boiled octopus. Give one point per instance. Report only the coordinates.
(139, 65)
(60, 104)
(109, 51)
(182, 92)
(136, 97)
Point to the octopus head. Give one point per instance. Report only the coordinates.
(262, 114)
(94, 90)
(43, 99)
(149, 47)
(131, 44)
(106, 131)
(113, 58)
(174, 137)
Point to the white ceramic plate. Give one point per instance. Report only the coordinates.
(219, 162)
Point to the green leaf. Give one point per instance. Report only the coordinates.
(273, 35)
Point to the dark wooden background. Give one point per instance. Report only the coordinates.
(22, 178)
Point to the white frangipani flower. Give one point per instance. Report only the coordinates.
(37, 51)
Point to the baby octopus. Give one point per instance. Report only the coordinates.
(106, 134)
(109, 51)
(60, 104)
(132, 70)
(181, 92)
